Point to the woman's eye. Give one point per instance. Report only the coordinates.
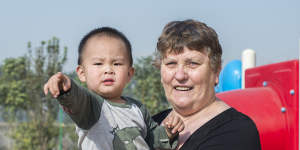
(170, 63)
(193, 64)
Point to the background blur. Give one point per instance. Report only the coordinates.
(39, 38)
(270, 27)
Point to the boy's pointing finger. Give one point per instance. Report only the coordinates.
(67, 83)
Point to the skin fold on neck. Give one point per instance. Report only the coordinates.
(198, 119)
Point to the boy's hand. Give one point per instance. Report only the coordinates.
(173, 125)
(56, 83)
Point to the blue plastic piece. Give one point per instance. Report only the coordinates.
(232, 76)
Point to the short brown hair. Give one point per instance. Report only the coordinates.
(194, 35)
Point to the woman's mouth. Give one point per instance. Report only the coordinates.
(183, 88)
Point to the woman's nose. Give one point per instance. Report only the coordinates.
(180, 74)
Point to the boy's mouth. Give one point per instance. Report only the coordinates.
(108, 81)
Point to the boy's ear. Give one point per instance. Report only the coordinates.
(80, 73)
(130, 73)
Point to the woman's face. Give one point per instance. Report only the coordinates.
(188, 80)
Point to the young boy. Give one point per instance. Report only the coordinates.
(105, 119)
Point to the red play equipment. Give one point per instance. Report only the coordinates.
(271, 100)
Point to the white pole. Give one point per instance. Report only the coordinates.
(248, 61)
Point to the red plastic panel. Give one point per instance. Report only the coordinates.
(271, 99)
(263, 106)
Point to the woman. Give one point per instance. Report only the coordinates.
(190, 62)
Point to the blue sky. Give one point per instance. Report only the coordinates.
(270, 27)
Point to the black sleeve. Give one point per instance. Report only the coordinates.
(159, 117)
(236, 135)
(230, 130)
(81, 105)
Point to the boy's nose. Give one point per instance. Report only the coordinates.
(109, 70)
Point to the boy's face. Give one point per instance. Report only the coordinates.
(105, 66)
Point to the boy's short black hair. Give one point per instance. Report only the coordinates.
(105, 31)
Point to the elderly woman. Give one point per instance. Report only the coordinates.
(190, 62)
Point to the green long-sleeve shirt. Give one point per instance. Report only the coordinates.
(104, 125)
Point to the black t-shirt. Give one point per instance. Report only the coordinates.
(230, 130)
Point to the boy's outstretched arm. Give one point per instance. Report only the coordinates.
(56, 83)
(173, 125)
(82, 106)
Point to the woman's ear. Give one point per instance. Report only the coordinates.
(81, 73)
(217, 76)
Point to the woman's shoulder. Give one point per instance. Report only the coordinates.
(230, 129)
(232, 114)
(231, 118)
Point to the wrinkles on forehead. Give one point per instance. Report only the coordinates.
(181, 50)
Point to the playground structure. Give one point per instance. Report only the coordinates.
(270, 98)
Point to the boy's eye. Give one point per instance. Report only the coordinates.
(97, 64)
(118, 64)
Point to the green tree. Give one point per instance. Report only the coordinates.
(146, 86)
(13, 87)
(21, 84)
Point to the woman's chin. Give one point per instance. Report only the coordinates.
(184, 110)
(181, 103)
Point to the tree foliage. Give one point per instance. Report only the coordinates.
(21, 84)
(146, 86)
(13, 85)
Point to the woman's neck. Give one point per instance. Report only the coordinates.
(196, 109)
(198, 119)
